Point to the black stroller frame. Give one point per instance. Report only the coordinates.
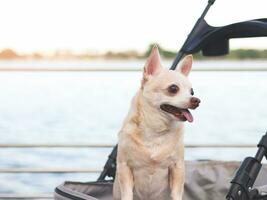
(214, 41)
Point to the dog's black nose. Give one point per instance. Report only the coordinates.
(194, 102)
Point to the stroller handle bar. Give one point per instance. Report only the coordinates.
(180, 54)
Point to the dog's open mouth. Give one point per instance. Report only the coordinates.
(180, 113)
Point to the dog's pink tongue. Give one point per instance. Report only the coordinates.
(188, 115)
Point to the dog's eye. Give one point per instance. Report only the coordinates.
(192, 91)
(173, 89)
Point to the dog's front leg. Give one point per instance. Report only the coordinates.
(177, 177)
(125, 178)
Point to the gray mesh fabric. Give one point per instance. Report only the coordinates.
(207, 180)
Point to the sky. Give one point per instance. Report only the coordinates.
(102, 25)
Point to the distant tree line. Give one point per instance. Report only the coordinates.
(8, 54)
(238, 54)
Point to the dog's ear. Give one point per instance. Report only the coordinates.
(185, 65)
(153, 63)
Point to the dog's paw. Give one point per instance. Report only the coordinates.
(176, 196)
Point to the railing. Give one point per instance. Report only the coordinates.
(80, 170)
(124, 69)
(18, 196)
(112, 145)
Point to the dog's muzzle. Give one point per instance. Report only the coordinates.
(182, 114)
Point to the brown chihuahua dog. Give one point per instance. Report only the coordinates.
(150, 160)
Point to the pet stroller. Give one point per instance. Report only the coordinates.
(207, 179)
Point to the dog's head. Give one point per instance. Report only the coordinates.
(169, 91)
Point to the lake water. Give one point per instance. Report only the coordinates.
(88, 107)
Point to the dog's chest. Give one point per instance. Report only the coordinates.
(160, 152)
(150, 167)
(162, 157)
